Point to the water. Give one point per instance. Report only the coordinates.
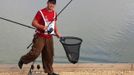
(106, 27)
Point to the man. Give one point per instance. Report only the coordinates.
(43, 39)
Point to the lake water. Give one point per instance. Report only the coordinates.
(106, 27)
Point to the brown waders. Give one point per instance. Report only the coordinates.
(43, 46)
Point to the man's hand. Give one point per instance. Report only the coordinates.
(58, 35)
(38, 26)
(45, 28)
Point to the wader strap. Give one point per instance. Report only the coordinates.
(43, 18)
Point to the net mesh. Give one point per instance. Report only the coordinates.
(72, 48)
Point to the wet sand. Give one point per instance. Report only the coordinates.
(72, 69)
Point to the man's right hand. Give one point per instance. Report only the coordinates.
(39, 26)
(45, 28)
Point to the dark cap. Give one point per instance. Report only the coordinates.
(52, 1)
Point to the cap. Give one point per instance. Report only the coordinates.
(52, 1)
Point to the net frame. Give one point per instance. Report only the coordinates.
(66, 45)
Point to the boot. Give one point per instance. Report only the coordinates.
(20, 64)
